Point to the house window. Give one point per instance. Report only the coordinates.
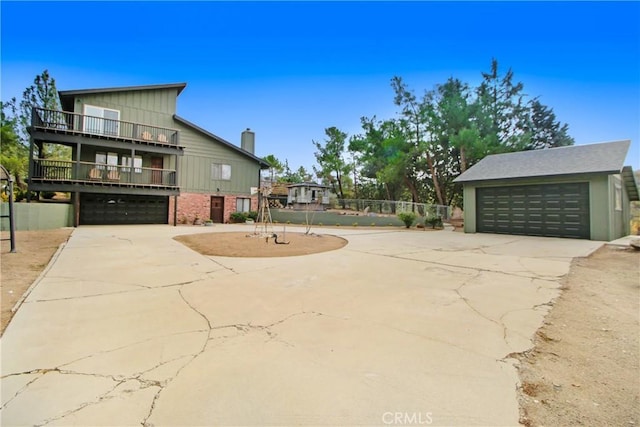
(101, 121)
(618, 197)
(112, 161)
(101, 160)
(125, 162)
(243, 204)
(107, 159)
(220, 172)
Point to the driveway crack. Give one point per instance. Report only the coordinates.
(42, 372)
(475, 310)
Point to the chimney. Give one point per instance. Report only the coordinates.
(248, 141)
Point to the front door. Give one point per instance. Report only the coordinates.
(156, 175)
(217, 209)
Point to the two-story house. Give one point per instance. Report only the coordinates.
(135, 161)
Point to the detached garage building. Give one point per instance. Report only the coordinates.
(580, 191)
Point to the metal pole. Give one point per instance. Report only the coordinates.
(12, 225)
(175, 211)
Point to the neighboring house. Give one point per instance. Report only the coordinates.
(278, 193)
(581, 191)
(134, 161)
(308, 195)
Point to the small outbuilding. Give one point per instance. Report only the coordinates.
(308, 196)
(580, 191)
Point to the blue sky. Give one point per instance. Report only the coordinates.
(289, 70)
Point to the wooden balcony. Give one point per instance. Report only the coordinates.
(67, 123)
(61, 175)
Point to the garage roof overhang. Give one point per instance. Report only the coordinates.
(603, 158)
(629, 180)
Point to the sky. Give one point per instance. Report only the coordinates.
(288, 70)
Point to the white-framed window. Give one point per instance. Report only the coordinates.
(243, 204)
(220, 172)
(101, 160)
(125, 162)
(618, 197)
(112, 161)
(101, 121)
(108, 160)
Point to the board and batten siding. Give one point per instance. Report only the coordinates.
(200, 153)
(157, 107)
(150, 107)
(620, 221)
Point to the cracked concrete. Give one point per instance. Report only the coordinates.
(129, 327)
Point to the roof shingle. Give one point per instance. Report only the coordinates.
(606, 158)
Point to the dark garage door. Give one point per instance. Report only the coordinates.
(553, 210)
(102, 209)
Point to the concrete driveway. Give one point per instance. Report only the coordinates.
(129, 327)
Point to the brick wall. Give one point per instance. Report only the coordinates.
(191, 205)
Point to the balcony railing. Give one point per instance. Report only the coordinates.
(62, 171)
(73, 123)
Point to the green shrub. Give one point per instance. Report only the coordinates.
(47, 195)
(21, 194)
(408, 218)
(433, 221)
(237, 217)
(253, 215)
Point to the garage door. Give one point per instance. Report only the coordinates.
(99, 209)
(554, 210)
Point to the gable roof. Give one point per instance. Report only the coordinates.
(179, 86)
(263, 164)
(67, 96)
(307, 184)
(602, 158)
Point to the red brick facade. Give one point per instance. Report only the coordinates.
(196, 205)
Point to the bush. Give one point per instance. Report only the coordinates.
(433, 221)
(21, 194)
(408, 218)
(253, 215)
(47, 195)
(238, 217)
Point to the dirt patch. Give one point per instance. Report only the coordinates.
(584, 368)
(242, 244)
(19, 270)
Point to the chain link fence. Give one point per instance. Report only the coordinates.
(389, 207)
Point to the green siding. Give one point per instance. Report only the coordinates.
(620, 219)
(200, 153)
(600, 206)
(38, 216)
(151, 107)
(469, 195)
(157, 107)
